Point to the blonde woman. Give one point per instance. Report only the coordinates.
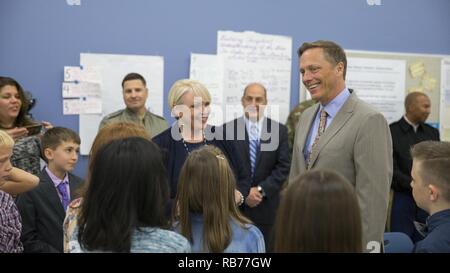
(189, 102)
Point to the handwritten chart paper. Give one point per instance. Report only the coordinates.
(208, 69)
(85, 105)
(444, 114)
(253, 57)
(380, 82)
(81, 89)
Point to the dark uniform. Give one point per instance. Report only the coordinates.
(154, 124)
(404, 209)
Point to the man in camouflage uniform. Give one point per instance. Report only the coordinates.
(292, 120)
(135, 95)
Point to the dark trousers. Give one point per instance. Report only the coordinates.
(404, 213)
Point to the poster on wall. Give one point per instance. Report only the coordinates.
(254, 57)
(208, 69)
(379, 82)
(445, 100)
(81, 90)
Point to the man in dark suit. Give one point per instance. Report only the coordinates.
(262, 144)
(407, 132)
(43, 209)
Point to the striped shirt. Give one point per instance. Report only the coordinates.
(10, 225)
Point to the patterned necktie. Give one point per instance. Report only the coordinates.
(65, 198)
(321, 129)
(254, 146)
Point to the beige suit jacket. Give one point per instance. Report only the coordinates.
(358, 145)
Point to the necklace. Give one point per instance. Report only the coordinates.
(186, 146)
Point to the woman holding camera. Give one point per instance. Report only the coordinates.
(25, 131)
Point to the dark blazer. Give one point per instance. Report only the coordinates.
(43, 215)
(271, 168)
(403, 138)
(175, 154)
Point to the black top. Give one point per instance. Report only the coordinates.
(175, 153)
(403, 138)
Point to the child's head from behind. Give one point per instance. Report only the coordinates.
(206, 181)
(206, 186)
(430, 175)
(127, 189)
(108, 133)
(319, 212)
(60, 147)
(6, 146)
(116, 130)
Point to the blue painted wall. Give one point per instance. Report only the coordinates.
(39, 38)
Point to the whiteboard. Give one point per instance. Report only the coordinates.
(113, 69)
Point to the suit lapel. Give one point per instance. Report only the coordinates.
(341, 118)
(74, 184)
(51, 192)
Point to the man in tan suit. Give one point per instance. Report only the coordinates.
(344, 134)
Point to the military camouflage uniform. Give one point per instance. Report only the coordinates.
(293, 118)
(154, 124)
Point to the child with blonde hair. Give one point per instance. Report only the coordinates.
(12, 181)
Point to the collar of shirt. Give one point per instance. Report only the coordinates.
(333, 107)
(132, 115)
(249, 124)
(56, 180)
(437, 219)
(415, 126)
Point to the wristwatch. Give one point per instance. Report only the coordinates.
(261, 191)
